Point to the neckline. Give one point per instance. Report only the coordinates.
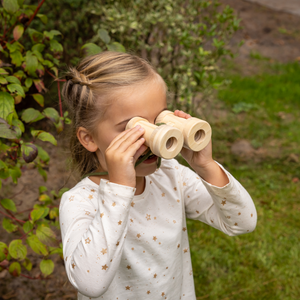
(135, 197)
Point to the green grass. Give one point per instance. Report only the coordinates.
(265, 110)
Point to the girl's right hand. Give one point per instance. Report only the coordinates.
(122, 154)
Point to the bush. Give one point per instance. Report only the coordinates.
(22, 72)
(182, 40)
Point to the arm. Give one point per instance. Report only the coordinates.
(228, 208)
(93, 233)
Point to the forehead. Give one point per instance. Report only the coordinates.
(145, 100)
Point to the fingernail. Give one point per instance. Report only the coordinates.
(141, 129)
(137, 126)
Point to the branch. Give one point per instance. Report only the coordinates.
(30, 20)
(29, 277)
(34, 14)
(20, 221)
(59, 97)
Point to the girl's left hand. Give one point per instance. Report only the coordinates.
(200, 159)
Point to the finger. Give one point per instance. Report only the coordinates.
(182, 114)
(135, 149)
(128, 139)
(122, 136)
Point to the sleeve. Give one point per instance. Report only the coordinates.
(229, 208)
(93, 233)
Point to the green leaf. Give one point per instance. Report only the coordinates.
(27, 226)
(3, 251)
(36, 245)
(48, 63)
(56, 251)
(45, 234)
(11, 6)
(90, 49)
(42, 154)
(6, 132)
(51, 113)
(115, 46)
(31, 115)
(31, 64)
(8, 204)
(36, 37)
(28, 82)
(38, 47)
(15, 173)
(43, 173)
(16, 88)
(7, 105)
(47, 267)
(37, 213)
(44, 136)
(54, 213)
(18, 123)
(8, 225)
(43, 18)
(44, 198)
(39, 99)
(42, 189)
(16, 46)
(46, 212)
(29, 152)
(50, 34)
(3, 72)
(3, 80)
(18, 32)
(15, 269)
(55, 71)
(16, 58)
(55, 46)
(13, 79)
(27, 264)
(17, 250)
(104, 36)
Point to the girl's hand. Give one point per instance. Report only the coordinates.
(199, 159)
(122, 154)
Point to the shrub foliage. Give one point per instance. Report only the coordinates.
(26, 55)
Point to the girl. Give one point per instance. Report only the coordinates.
(124, 232)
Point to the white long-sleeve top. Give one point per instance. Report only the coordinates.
(120, 246)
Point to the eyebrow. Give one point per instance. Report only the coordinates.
(139, 116)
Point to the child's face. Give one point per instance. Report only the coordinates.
(146, 101)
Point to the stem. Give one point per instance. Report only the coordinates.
(4, 32)
(27, 276)
(34, 14)
(30, 20)
(59, 97)
(20, 221)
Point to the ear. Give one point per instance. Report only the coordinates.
(86, 139)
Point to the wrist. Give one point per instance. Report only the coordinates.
(212, 173)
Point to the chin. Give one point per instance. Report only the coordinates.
(143, 170)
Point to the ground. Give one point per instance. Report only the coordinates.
(268, 34)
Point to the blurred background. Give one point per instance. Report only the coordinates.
(235, 64)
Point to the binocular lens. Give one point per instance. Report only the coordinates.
(171, 143)
(199, 135)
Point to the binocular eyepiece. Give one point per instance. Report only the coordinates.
(166, 141)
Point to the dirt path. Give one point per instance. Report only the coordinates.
(266, 32)
(289, 6)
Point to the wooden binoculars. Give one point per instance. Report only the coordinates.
(166, 141)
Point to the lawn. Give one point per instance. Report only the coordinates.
(264, 110)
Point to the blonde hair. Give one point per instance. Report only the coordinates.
(88, 92)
